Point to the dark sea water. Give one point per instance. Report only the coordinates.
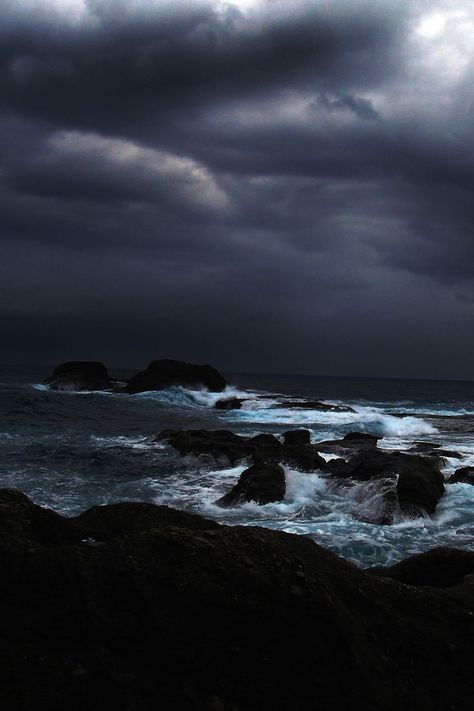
(70, 451)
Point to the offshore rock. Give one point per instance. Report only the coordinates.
(464, 475)
(162, 374)
(80, 375)
(262, 483)
(176, 612)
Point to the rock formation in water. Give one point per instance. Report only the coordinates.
(464, 475)
(162, 374)
(80, 375)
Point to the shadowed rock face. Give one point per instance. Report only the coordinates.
(138, 608)
(80, 375)
(162, 374)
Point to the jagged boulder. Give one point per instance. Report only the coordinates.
(162, 374)
(262, 483)
(80, 375)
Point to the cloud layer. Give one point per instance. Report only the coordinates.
(275, 186)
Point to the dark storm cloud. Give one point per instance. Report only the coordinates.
(280, 187)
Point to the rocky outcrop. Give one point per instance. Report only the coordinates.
(261, 448)
(162, 374)
(420, 486)
(262, 483)
(350, 443)
(417, 479)
(464, 475)
(312, 405)
(138, 608)
(80, 375)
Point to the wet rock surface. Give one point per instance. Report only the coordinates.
(138, 607)
(464, 475)
(350, 443)
(261, 448)
(262, 483)
(411, 483)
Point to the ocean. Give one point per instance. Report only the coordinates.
(70, 451)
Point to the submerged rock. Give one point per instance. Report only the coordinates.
(231, 403)
(464, 475)
(312, 405)
(262, 483)
(80, 375)
(162, 374)
(173, 612)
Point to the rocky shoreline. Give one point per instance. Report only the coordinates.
(136, 607)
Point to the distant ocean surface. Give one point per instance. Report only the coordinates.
(70, 451)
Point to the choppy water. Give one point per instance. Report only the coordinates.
(70, 451)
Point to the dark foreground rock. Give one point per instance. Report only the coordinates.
(262, 483)
(138, 608)
(162, 374)
(80, 375)
(262, 448)
(464, 475)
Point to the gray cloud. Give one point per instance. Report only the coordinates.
(287, 185)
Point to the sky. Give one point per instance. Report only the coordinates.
(268, 186)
